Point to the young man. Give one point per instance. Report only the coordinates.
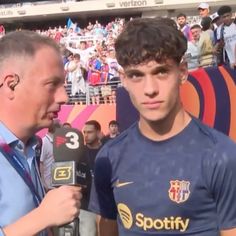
(91, 130)
(31, 94)
(113, 131)
(183, 26)
(192, 54)
(206, 43)
(168, 174)
(226, 36)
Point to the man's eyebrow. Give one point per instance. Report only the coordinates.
(154, 70)
(130, 71)
(165, 67)
(54, 78)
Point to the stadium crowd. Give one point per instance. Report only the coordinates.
(93, 74)
(92, 71)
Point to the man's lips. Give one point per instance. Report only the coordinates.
(152, 104)
(54, 114)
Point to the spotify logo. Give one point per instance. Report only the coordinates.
(125, 215)
(146, 223)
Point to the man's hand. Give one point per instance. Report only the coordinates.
(61, 205)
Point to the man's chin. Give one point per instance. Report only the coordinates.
(153, 117)
(45, 124)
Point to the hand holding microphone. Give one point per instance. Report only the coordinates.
(61, 205)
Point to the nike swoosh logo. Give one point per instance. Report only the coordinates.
(122, 184)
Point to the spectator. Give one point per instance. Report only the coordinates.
(77, 80)
(94, 77)
(226, 36)
(92, 130)
(114, 72)
(203, 9)
(82, 49)
(69, 55)
(183, 26)
(192, 53)
(217, 21)
(113, 131)
(106, 90)
(65, 54)
(205, 44)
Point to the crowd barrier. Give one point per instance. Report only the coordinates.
(106, 94)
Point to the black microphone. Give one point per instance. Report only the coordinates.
(68, 151)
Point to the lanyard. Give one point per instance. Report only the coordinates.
(13, 159)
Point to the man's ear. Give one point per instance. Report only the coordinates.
(10, 81)
(123, 79)
(183, 79)
(13, 84)
(183, 67)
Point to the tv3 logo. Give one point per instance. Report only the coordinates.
(71, 140)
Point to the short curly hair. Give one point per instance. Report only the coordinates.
(146, 39)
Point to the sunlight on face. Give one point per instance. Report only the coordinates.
(154, 88)
(41, 91)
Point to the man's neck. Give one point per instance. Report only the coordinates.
(113, 135)
(229, 23)
(22, 134)
(166, 128)
(95, 145)
(195, 41)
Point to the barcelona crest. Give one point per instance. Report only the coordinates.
(179, 190)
